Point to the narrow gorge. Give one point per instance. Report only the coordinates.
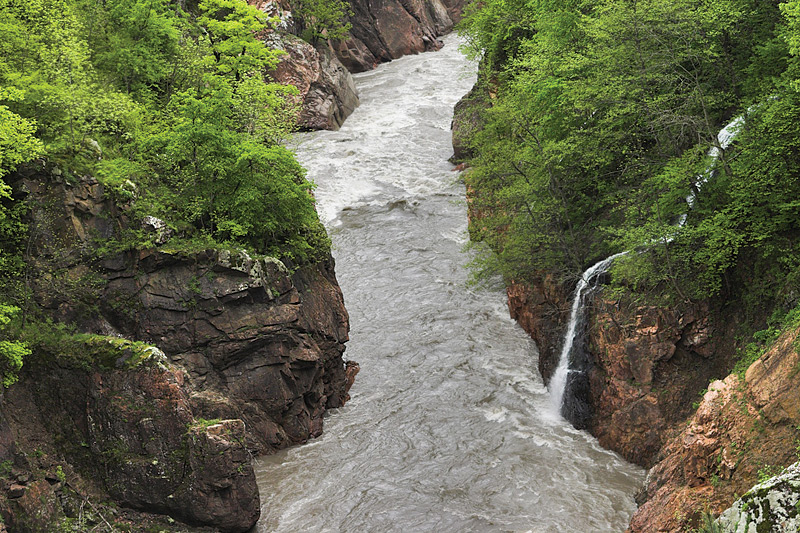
(449, 427)
(399, 265)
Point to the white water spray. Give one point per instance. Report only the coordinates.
(590, 278)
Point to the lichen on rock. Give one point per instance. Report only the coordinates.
(772, 506)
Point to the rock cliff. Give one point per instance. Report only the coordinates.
(381, 30)
(248, 359)
(647, 366)
(327, 93)
(744, 430)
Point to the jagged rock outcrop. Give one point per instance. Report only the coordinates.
(158, 457)
(645, 364)
(742, 430)
(383, 30)
(133, 432)
(327, 93)
(246, 343)
(258, 343)
(541, 308)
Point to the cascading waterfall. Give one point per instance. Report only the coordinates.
(572, 360)
(589, 281)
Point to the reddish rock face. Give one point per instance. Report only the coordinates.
(739, 430)
(327, 91)
(648, 364)
(541, 308)
(32, 508)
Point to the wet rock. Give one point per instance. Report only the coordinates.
(541, 308)
(648, 364)
(383, 30)
(351, 371)
(467, 120)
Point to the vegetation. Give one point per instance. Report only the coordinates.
(764, 339)
(601, 125)
(12, 350)
(169, 104)
(322, 19)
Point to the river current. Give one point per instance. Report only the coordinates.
(450, 428)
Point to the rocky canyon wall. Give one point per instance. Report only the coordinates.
(647, 388)
(744, 430)
(381, 30)
(188, 364)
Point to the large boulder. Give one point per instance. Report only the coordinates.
(158, 457)
(252, 359)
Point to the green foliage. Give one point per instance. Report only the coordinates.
(708, 524)
(12, 351)
(52, 341)
(231, 27)
(134, 43)
(202, 423)
(17, 143)
(168, 107)
(602, 116)
(322, 19)
(764, 339)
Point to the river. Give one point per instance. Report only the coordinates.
(450, 428)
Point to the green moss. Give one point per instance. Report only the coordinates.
(55, 341)
(202, 423)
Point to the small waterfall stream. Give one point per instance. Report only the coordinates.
(567, 368)
(589, 281)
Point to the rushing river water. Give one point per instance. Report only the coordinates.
(450, 428)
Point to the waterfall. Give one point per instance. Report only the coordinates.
(724, 139)
(589, 281)
(567, 369)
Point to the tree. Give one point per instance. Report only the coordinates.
(12, 352)
(322, 19)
